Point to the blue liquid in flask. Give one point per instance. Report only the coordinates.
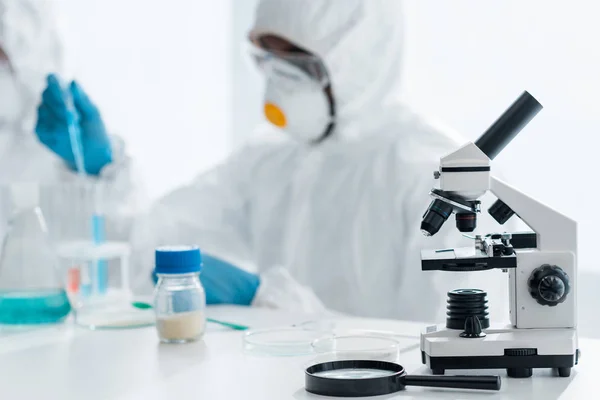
(30, 307)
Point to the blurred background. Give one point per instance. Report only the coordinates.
(172, 79)
(161, 75)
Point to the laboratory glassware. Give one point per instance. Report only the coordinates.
(179, 298)
(282, 341)
(357, 347)
(31, 288)
(114, 306)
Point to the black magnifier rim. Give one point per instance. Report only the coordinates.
(354, 387)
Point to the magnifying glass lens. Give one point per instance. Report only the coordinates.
(354, 373)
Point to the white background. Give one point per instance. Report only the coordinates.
(161, 73)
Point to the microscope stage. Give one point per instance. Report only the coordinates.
(464, 259)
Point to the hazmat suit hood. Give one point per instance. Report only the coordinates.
(359, 43)
(31, 39)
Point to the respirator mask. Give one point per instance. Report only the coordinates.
(295, 95)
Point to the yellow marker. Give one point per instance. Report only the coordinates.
(275, 115)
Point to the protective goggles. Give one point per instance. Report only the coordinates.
(282, 64)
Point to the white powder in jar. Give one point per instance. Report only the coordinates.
(181, 327)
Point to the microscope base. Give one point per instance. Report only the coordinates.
(518, 351)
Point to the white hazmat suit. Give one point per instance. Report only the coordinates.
(334, 224)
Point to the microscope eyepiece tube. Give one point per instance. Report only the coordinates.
(504, 130)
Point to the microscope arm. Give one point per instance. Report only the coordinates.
(555, 231)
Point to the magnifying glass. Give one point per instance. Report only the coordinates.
(363, 378)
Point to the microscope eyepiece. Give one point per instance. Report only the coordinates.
(508, 125)
(435, 216)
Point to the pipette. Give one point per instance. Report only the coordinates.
(74, 133)
(100, 277)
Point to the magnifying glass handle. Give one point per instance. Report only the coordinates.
(483, 382)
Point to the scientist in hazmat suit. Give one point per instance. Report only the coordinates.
(34, 139)
(322, 210)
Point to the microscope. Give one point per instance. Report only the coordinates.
(541, 266)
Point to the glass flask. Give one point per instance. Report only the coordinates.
(31, 289)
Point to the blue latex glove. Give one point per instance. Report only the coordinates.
(225, 283)
(52, 128)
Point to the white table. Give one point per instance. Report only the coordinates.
(72, 363)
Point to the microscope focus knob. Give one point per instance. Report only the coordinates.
(549, 285)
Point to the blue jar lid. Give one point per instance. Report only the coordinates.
(177, 259)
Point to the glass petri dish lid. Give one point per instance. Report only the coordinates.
(282, 341)
(350, 326)
(357, 347)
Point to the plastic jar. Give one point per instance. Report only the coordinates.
(179, 298)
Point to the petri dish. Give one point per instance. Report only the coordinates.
(118, 315)
(345, 326)
(356, 347)
(286, 341)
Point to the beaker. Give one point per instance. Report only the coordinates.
(31, 288)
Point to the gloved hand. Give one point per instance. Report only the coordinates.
(225, 283)
(52, 126)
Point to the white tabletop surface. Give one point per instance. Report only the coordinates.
(66, 363)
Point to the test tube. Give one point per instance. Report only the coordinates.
(99, 237)
(98, 270)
